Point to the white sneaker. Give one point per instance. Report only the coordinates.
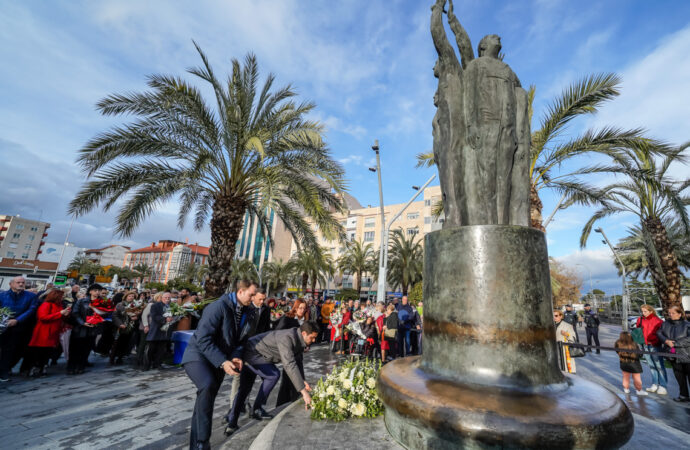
(652, 388)
(661, 391)
(641, 393)
(626, 390)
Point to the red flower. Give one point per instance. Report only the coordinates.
(94, 320)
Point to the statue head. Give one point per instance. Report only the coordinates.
(490, 45)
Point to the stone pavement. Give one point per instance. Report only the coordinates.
(118, 408)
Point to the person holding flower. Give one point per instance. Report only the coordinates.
(84, 330)
(338, 333)
(123, 325)
(157, 337)
(46, 334)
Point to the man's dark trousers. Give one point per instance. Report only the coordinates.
(10, 341)
(269, 374)
(404, 342)
(207, 380)
(592, 332)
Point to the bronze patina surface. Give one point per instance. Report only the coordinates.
(489, 375)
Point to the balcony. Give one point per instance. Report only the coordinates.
(42, 243)
(3, 228)
(39, 252)
(45, 234)
(2, 237)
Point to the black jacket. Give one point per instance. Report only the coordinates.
(570, 317)
(591, 319)
(677, 331)
(286, 322)
(80, 311)
(261, 321)
(217, 338)
(156, 321)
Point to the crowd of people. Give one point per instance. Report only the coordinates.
(74, 321)
(651, 338)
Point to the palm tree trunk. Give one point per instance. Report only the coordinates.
(226, 224)
(358, 279)
(305, 281)
(667, 283)
(535, 207)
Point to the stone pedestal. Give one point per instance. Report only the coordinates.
(489, 374)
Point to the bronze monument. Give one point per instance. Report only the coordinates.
(489, 375)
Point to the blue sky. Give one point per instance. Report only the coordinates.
(366, 64)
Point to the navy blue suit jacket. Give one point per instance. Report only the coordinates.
(217, 339)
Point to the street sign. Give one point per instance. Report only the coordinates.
(60, 280)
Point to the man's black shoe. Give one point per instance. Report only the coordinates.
(88, 364)
(681, 399)
(230, 429)
(598, 352)
(261, 414)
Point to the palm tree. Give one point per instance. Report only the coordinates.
(356, 260)
(655, 198)
(242, 269)
(405, 260)
(277, 274)
(142, 271)
(634, 248)
(79, 264)
(549, 149)
(254, 151)
(306, 264)
(195, 272)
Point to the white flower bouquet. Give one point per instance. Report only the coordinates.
(5, 315)
(348, 391)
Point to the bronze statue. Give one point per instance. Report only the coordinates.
(481, 130)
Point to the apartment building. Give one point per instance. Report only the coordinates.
(365, 225)
(64, 254)
(167, 259)
(112, 255)
(21, 238)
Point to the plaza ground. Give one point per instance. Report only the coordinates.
(123, 408)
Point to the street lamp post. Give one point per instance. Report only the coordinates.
(625, 293)
(62, 253)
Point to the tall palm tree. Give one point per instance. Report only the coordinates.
(356, 260)
(550, 149)
(305, 264)
(277, 274)
(142, 271)
(242, 269)
(79, 264)
(405, 260)
(194, 273)
(649, 193)
(253, 151)
(634, 248)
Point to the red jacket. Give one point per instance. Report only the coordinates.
(344, 321)
(48, 326)
(650, 325)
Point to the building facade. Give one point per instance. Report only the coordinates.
(258, 248)
(112, 255)
(52, 252)
(37, 273)
(167, 259)
(21, 238)
(365, 225)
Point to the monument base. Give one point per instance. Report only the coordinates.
(424, 411)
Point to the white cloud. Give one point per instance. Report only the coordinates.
(655, 92)
(598, 263)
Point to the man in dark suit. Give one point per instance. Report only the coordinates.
(260, 356)
(212, 352)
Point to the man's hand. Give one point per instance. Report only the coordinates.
(238, 364)
(123, 326)
(669, 342)
(307, 387)
(229, 368)
(11, 322)
(418, 327)
(306, 397)
(146, 330)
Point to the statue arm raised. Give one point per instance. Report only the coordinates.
(446, 54)
(461, 37)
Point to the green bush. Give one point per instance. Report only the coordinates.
(158, 286)
(416, 293)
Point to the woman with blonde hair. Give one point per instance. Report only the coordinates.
(650, 324)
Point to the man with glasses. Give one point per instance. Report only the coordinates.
(23, 305)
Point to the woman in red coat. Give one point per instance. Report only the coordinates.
(650, 324)
(46, 334)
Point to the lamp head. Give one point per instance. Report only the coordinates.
(372, 169)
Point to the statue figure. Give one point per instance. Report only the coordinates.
(481, 130)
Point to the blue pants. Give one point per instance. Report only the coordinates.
(404, 341)
(269, 374)
(207, 380)
(656, 366)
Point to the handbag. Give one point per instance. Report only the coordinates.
(392, 334)
(576, 352)
(637, 335)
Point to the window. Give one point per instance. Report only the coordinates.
(427, 219)
(16, 235)
(427, 202)
(12, 245)
(352, 236)
(25, 256)
(412, 231)
(368, 236)
(31, 237)
(10, 254)
(27, 247)
(19, 227)
(370, 222)
(34, 228)
(412, 216)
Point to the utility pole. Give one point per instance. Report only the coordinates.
(625, 293)
(381, 291)
(62, 253)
